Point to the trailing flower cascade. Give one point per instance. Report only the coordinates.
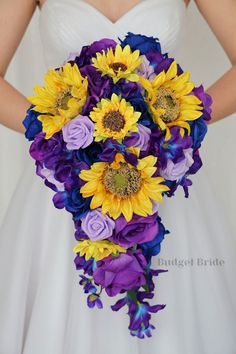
(115, 131)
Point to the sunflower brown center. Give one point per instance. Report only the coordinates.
(118, 66)
(62, 100)
(167, 101)
(122, 182)
(114, 121)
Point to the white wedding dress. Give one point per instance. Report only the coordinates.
(42, 306)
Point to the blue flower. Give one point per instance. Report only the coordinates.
(140, 105)
(32, 124)
(198, 131)
(72, 201)
(141, 42)
(90, 154)
(152, 248)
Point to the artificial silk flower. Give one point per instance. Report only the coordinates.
(122, 189)
(170, 101)
(119, 63)
(61, 99)
(117, 129)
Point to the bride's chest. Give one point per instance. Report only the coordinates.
(67, 25)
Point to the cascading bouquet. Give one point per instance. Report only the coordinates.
(114, 129)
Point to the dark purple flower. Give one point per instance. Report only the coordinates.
(87, 284)
(110, 149)
(206, 101)
(124, 272)
(90, 51)
(87, 266)
(138, 230)
(99, 87)
(127, 88)
(47, 150)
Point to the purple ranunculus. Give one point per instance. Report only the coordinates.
(138, 230)
(139, 139)
(175, 171)
(97, 226)
(124, 272)
(78, 133)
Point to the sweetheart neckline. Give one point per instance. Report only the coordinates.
(134, 8)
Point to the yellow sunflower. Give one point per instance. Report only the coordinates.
(114, 118)
(169, 100)
(120, 188)
(97, 249)
(61, 99)
(119, 63)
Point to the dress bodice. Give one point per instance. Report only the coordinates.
(67, 25)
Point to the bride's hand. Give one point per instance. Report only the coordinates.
(15, 16)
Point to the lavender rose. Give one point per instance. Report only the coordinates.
(146, 69)
(97, 226)
(140, 139)
(138, 230)
(117, 274)
(175, 171)
(78, 133)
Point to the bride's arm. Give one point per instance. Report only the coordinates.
(221, 17)
(15, 16)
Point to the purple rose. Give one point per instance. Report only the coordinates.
(43, 149)
(175, 171)
(78, 133)
(138, 230)
(97, 226)
(140, 139)
(117, 274)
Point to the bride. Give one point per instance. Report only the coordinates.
(42, 306)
